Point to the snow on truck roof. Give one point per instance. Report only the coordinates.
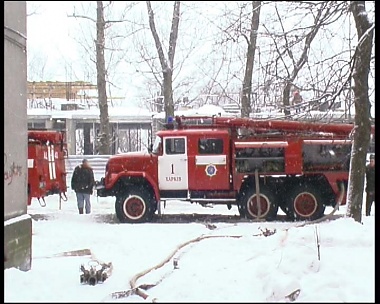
(180, 132)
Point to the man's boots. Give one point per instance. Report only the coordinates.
(80, 210)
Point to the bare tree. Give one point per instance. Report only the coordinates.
(234, 27)
(37, 66)
(102, 66)
(295, 48)
(32, 8)
(36, 61)
(104, 134)
(362, 128)
(286, 54)
(182, 83)
(166, 63)
(246, 108)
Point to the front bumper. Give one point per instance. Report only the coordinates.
(101, 189)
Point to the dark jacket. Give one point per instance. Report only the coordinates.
(370, 176)
(83, 180)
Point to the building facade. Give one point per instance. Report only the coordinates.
(17, 223)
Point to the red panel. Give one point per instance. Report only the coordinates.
(217, 176)
(293, 157)
(52, 136)
(37, 172)
(46, 164)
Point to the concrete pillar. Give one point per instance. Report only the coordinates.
(49, 124)
(17, 223)
(87, 145)
(70, 136)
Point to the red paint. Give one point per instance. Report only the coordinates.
(47, 176)
(283, 141)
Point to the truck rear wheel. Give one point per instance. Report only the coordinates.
(134, 206)
(305, 202)
(267, 200)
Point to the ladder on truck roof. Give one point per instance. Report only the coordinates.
(263, 125)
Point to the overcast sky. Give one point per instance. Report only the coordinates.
(55, 54)
(48, 33)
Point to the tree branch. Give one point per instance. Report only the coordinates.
(173, 33)
(82, 16)
(157, 41)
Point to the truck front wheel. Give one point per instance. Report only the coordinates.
(134, 206)
(265, 207)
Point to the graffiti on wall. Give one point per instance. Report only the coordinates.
(11, 169)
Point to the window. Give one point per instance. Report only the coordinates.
(36, 125)
(175, 146)
(157, 149)
(210, 146)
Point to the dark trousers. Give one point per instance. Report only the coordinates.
(369, 200)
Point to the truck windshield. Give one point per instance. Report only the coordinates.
(157, 145)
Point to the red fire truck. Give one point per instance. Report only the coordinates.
(259, 165)
(46, 165)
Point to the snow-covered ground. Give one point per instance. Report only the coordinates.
(232, 262)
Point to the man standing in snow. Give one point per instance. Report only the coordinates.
(370, 188)
(83, 182)
(297, 99)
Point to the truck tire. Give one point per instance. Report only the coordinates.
(134, 206)
(268, 204)
(305, 203)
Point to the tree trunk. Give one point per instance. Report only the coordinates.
(166, 64)
(104, 134)
(286, 98)
(159, 101)
(168, 94)
(246, 107)
(362, 128)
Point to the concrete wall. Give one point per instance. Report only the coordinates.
(17, 223)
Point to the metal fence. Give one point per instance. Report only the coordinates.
(97, 162)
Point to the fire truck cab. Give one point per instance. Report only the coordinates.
(258, 165)
(46, 165)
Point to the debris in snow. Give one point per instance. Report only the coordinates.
(267, 232)
(80, 252)
(282, 288)
(175, 263)
(210, 226)
(293, 295)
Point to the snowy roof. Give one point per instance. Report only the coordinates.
(206, 110)
(115, 113)
(122, 112)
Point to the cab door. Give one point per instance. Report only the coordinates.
(209, 162)
(173, 164)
